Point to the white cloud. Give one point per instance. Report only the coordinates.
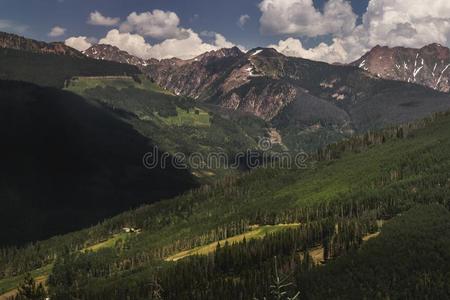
(411, 23)
(221, 42)
(57, 31)
(132, 43)
(186, 48)
(156, 24)
(301, 18)
(408, 23)
(96, 18)
(175, 41)
(242, 21)
(80, 43)
(189, 46)
(323, 52)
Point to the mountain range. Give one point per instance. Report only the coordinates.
(307, 102)
(363, 215)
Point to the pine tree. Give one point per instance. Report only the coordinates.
(29, 290)
(280, 286)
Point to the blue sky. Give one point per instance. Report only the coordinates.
(39, 16)
(324, 30)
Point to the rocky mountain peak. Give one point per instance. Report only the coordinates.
(221, 53)
(428, 66)
(112, 53)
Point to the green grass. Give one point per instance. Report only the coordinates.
(109, 243)
(195, 117)
(257, 232)
(11, 283)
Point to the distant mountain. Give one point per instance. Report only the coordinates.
(12, 41)
(309, 103)
(428, 66)
(112, 53)
(69, 163)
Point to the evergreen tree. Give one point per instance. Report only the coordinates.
(279, 289)
(29, 290)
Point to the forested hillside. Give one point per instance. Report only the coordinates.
(395, 181)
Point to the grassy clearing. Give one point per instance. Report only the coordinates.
(317, 252)
(194, 117)
(8, 286)
(257, 232)
(109, 243)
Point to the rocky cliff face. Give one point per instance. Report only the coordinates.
(227, 77)
(428, 66)
(16, 42)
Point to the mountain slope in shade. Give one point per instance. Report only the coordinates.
(428, 66)
(12, 41)
(70, 163)
(47, 69)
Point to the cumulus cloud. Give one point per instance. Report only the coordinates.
(242, 21)
(408, 23)
(294, 47)
(80, 43)
(411, 23)
(174, 40)
(132, 43)
(96, 18)
(156, 24)
(221, 42)
(301, 18)
(162, 26)
(186, 48)
(57, 31)
(189, 46)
